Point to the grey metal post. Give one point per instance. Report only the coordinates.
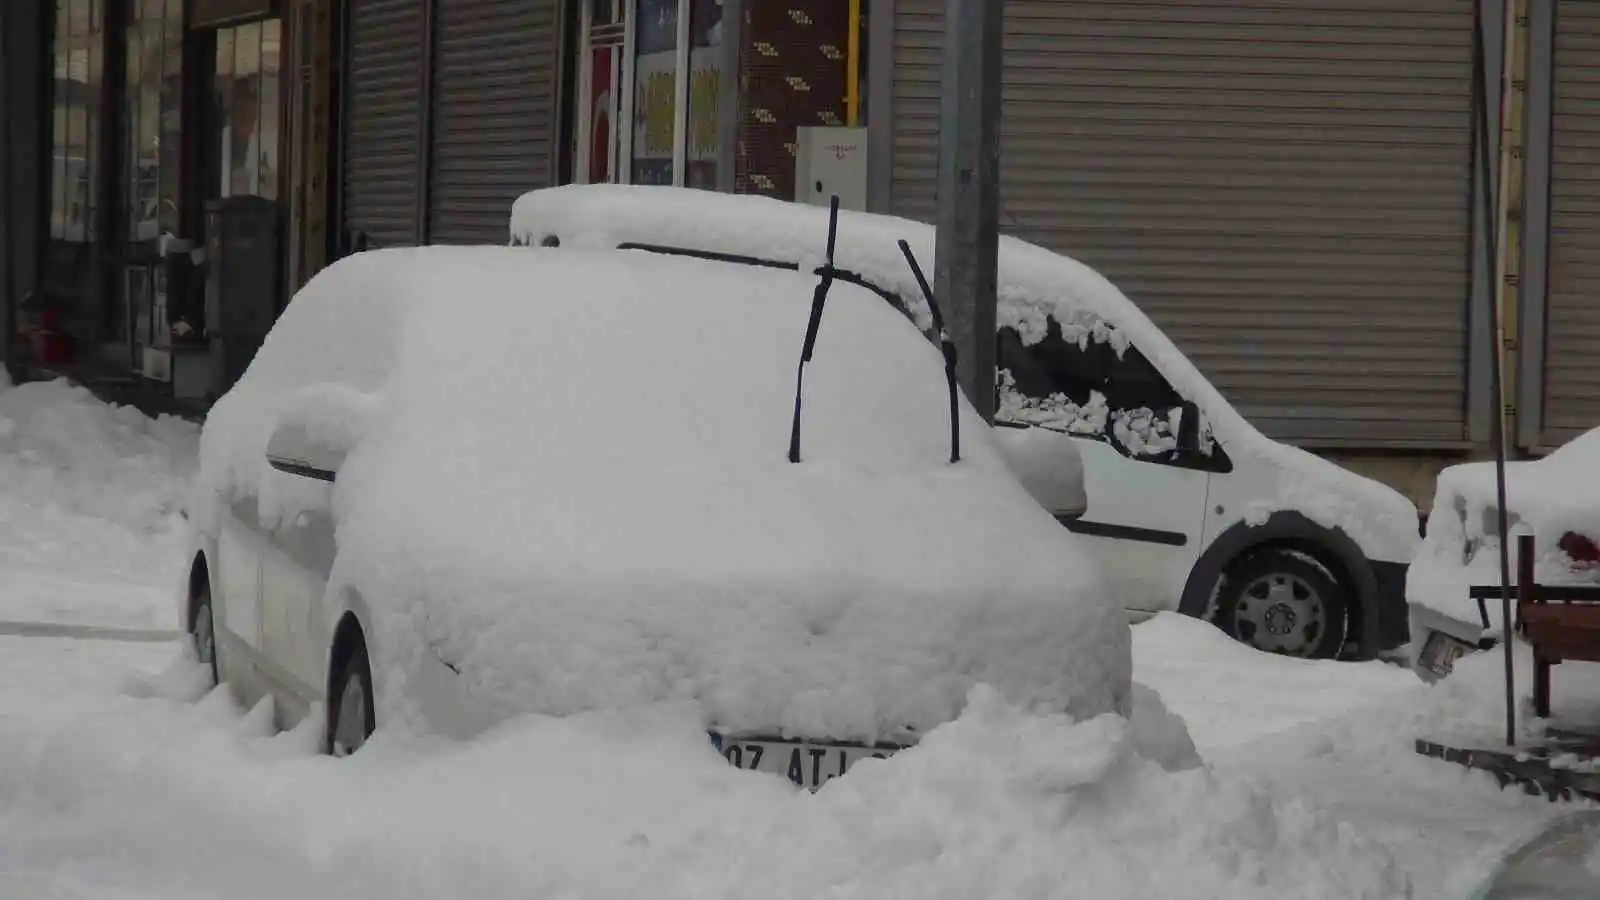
(967, 245)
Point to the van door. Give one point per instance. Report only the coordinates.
(1146, 495)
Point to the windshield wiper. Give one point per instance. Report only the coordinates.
(945, 344)
(819, 298)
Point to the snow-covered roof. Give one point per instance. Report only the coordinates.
(574, 485)
(1034, 284)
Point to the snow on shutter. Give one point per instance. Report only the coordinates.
(493, 114)
(382, 171)
(1282, 185)
(1572, 342)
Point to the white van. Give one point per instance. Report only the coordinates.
(1190, 507)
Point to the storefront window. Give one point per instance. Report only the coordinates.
(76, 116)
(655, 91)
(247, 86)
(704, 134)
(154, 115)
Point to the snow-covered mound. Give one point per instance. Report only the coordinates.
(1547, 498)
(90, 500)
(999, 803)
(62, 447)
(574, 488)
(1035, 285)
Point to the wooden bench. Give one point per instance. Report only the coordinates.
(1559, 622)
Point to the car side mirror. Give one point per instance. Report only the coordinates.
(317, 429)
(1189, 427)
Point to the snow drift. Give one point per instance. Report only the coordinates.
(998, 803)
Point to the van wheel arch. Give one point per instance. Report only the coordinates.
(1286, 530)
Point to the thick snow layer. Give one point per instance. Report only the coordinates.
(573, 486)
(1035, 285)
(1341, 736)
(1546, 498)
(153, 795)
(80, 480)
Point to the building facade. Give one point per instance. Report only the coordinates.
(1289, 188)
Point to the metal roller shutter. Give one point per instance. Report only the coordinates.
(1283, 185)
(382, 168)
(493, 114)
(1572, 360)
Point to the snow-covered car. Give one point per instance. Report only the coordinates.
(458, 484)
(1556, 499)
(1189, 506)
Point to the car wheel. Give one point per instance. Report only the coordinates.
(1283, 602)
(203, 635)
(351, 717)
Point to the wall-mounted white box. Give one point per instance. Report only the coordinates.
(829, 161)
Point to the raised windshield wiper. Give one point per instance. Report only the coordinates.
(819, 298)
(945, 344)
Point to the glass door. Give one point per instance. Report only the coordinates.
(600, 101)
(651, 83)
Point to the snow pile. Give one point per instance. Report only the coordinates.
(62, 447)
(82, 480)
(1035, 287)
(574, 488)
(1546, 498)
(1230, 694)
(997, 803)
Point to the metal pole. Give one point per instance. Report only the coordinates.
(1497, 422)
(967, 245)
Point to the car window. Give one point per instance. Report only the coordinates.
(1089, 388)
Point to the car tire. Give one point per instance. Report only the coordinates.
(351, 716)
(203, 635)
(1284, 602)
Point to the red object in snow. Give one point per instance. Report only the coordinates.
(1581, 549)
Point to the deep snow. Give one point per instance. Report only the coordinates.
(121, 778)
(90, 500)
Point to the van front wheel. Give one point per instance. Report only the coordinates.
(1282, 601)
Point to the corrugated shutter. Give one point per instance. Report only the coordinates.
(382, 166)
(1572, 344)
(493, 109)
(1283, 185)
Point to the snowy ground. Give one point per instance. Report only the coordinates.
(121, 778)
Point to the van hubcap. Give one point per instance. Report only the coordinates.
(1280, 613)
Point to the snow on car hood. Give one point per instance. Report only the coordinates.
(574, 489)
(1546, 498)
(1034, 285)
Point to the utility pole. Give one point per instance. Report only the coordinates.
(967, 245)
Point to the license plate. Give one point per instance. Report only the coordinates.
(1441, 651)
(809, 765)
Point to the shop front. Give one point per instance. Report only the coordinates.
(162, 261)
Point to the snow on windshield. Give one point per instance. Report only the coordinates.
(1039, 291)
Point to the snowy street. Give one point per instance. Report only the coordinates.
(122, 777)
